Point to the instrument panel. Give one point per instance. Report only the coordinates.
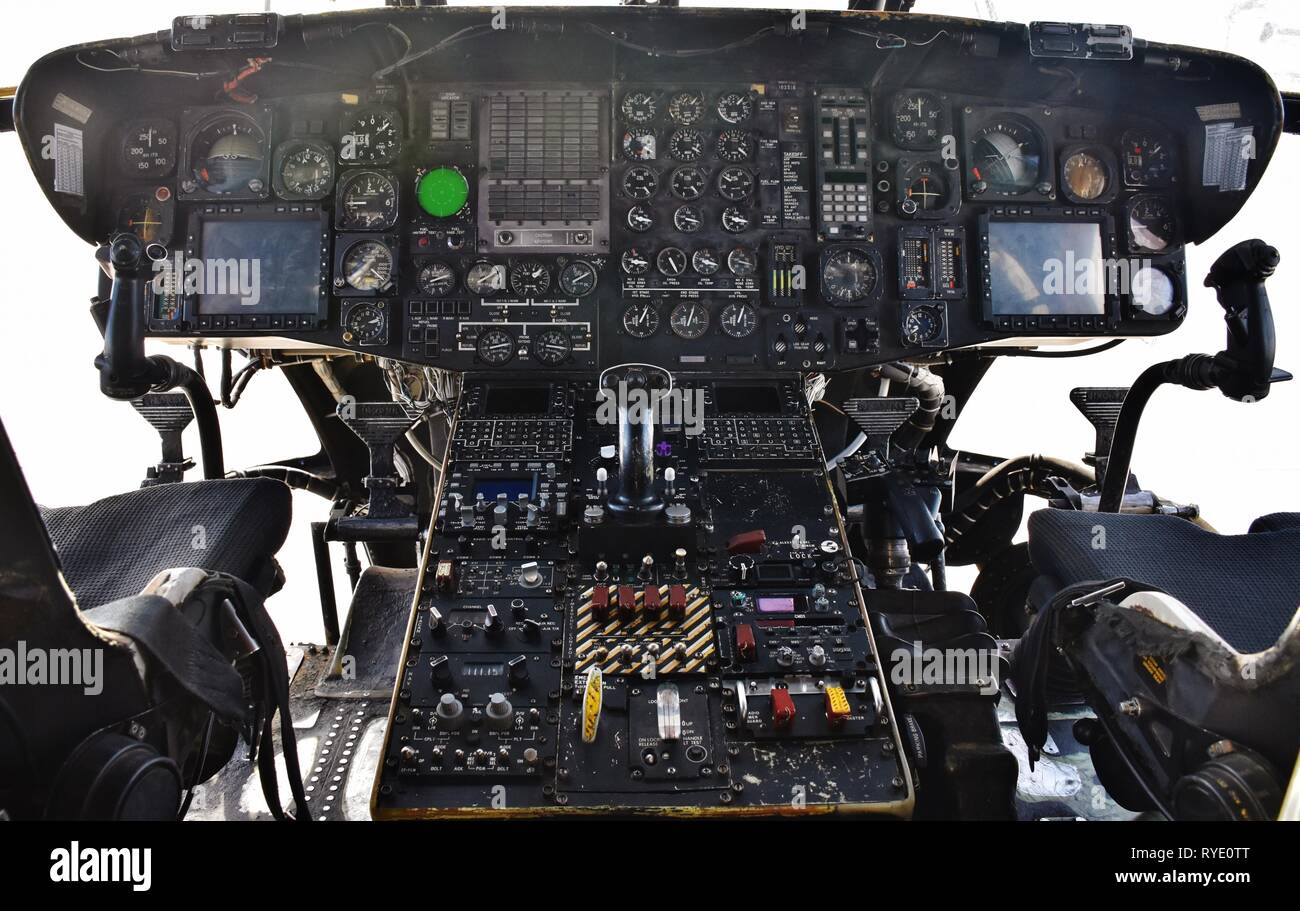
(746, 214)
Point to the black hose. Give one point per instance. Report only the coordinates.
(928, 389)
(1023, 474)
(205, 412)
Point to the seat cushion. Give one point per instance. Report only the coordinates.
(1246, 587)
(113, 547)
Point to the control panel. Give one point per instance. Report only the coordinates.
(601, 625)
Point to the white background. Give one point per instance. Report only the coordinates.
(1236, 461)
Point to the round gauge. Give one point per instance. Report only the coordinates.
(922, 325)
(1148, 159)
(1153, 291)
(689, 320)
(688, 219)
(367, 201)
(735, 220)
(370, 136)
(735, 107)
(686, 144)
(639, 219)
(686, 107)
(705, 261)
(641, 320)
(735, 184)
(442, 192)
(530, 278)
(228, 154)
(485, 279)
(304, 169)
(689, 182)
(437, 279)
(635, 262)
(639, 107)
(144, 216)
(640, 182)
(1005, 157)
(1085, 176)
(553, 347)
(149, 148)
(368, 266)
(639, 145)
(848, 275)
(925, 190)
(671, 261)
(735, 145)
(578, 278)
(365, 324)
(738, 320)
(1151, 224)
(918, 120)
(495, 346)
(742, 261)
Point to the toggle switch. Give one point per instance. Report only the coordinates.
(783, 712)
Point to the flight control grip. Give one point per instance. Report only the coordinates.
(1244, 369)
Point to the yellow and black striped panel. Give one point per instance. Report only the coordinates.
(624, 647)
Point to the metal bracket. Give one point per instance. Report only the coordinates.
(169, 413)
(1101, 406)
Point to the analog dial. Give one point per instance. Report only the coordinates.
(925, 189)
(437, 279)
(495, 346)
(1148, 159)
(922, 325)
(705, 261)
(1086, 176)
(486, 279)
(689, 320)
(639, 219)
(735, 145)
(688, 219)
(686, 107)
(1006, 156)
(686, 144)
(735, 107)
(635, 262)
(368, 266)
(530, 278)
(738, 320)
(735, 220)
(671, 261)
(1154, 293)
(578, 278)
(227, 156)
(145, 217)
(371, 136)
(304, 169)
(1151, 224)
(918, 120)
(149, 148)
(640, 182)
(639, 107)
(639, 145)
(742, 262)
(735, 184)
(641, 320)
(849, 275)
(689, 182)
(552, 347)
(367, 201)
(365, 324)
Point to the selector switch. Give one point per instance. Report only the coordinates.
(783, 711)
(500, 713)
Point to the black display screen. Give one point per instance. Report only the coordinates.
(1046, 269)
(512, 486)
(256, 267)
(503, 400)
(738, 399)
